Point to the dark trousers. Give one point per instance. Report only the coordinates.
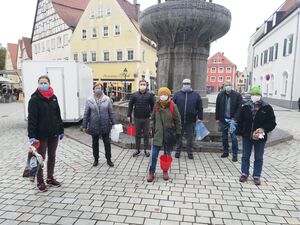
(224, 128)
(142, 127)
(50, 144)
(188, 131)
(259, 147)
(107, 146)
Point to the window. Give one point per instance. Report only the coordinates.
(66, 37)
(99, 12)
(213, 70)
(75, 57)
(228, 69)
(105, 31)
(48, 45)
(221, 69)
(288, 45)
(106, 55)
(130, 54)
(83, 34)
(84, 57)
(108, 12)
(144, 55)
(52, 43)
(92, 15)
(43, 46)
(59, 42)
(276, 51)
(35, 49)
(94, 32)
(119, 55)
(265, 56)
(220, 79)
(117, 30)
(271, 53)
(261, 58)
(93, 56)
(284, 83)
(228, 79)
(212, 79)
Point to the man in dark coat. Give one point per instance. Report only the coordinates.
(141, 103)
(228, 107)
(189, 104)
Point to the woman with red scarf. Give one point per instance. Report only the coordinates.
(45, 124)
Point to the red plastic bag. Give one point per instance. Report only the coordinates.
(131, 130)
(165, 162)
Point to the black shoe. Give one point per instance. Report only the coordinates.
(190, 156)
(136, 153)
(234, 159)
(177, 155)
(224, 155)
(95, 163)
(147, 154)
(110, 163)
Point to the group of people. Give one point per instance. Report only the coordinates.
(170, 118)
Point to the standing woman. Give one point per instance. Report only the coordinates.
(45, 124)
(256, 120)
(165, 116)
(98, 120)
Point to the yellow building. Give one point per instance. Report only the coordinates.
(108, 38)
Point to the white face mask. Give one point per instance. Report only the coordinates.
(255, 98)
(142, 87)
(164, 97)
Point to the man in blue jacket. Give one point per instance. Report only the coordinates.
(189, 104)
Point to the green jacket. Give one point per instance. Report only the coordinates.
(167, 120)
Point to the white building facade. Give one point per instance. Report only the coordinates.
(274, 59)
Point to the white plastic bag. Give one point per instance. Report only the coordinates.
(115, 132)
(201, 131)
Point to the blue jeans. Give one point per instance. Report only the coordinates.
(259, 147)
(154, 156)
(224, 128)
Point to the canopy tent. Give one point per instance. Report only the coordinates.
(6, 81)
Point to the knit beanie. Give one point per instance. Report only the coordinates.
(255, 91)
(164, 90)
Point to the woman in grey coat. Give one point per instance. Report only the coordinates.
(98, 120)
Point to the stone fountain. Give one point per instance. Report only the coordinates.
(183, 31)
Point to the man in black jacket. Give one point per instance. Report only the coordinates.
(228, 107)
(189, 104)
(142, 103)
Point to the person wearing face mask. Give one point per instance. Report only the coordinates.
(256, 120)
(165, 116)
(45, 125)
(228, 107)
(98, 120)
(189, 104)
(141, 103)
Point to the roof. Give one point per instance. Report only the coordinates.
(130, 9)
(220, 56)
(27, 44)
(70, 11)
(13, 49)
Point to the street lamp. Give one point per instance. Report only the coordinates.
(125, 86)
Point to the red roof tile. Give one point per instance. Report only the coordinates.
(13, 49)
(130, 9)
(219, 56)
(27, 44)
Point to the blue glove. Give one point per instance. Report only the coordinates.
(61, 136)
(32, 141)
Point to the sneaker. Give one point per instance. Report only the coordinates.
(190, 156)
(53, 182)
(95, 163)
(177, 155)
(150, 177)
(224, 155)
(234, 159)
(136, 153)
(166, 175)
(243, 178)
(257, 181)
(110, 163)
(42, 187)
(147, 154)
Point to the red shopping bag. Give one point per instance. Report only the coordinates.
(165, 162)
(131, 130)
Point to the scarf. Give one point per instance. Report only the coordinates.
(46, 94)
(255, 107)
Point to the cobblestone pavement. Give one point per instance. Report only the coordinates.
(202, 191)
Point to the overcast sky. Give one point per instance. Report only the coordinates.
(16, 20)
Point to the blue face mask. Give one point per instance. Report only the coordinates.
(228, 88)
(98, 91)
(44, 87)
(186, 87)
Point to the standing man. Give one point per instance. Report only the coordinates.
(228, 107)
(142, 102)
(189, 104)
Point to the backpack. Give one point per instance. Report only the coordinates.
(172, 106)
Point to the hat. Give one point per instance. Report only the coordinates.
(164, 90)
(186, 81)
(255, 91)
(96, 85)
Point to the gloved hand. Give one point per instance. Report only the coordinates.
(61, 136)
(32, 141)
